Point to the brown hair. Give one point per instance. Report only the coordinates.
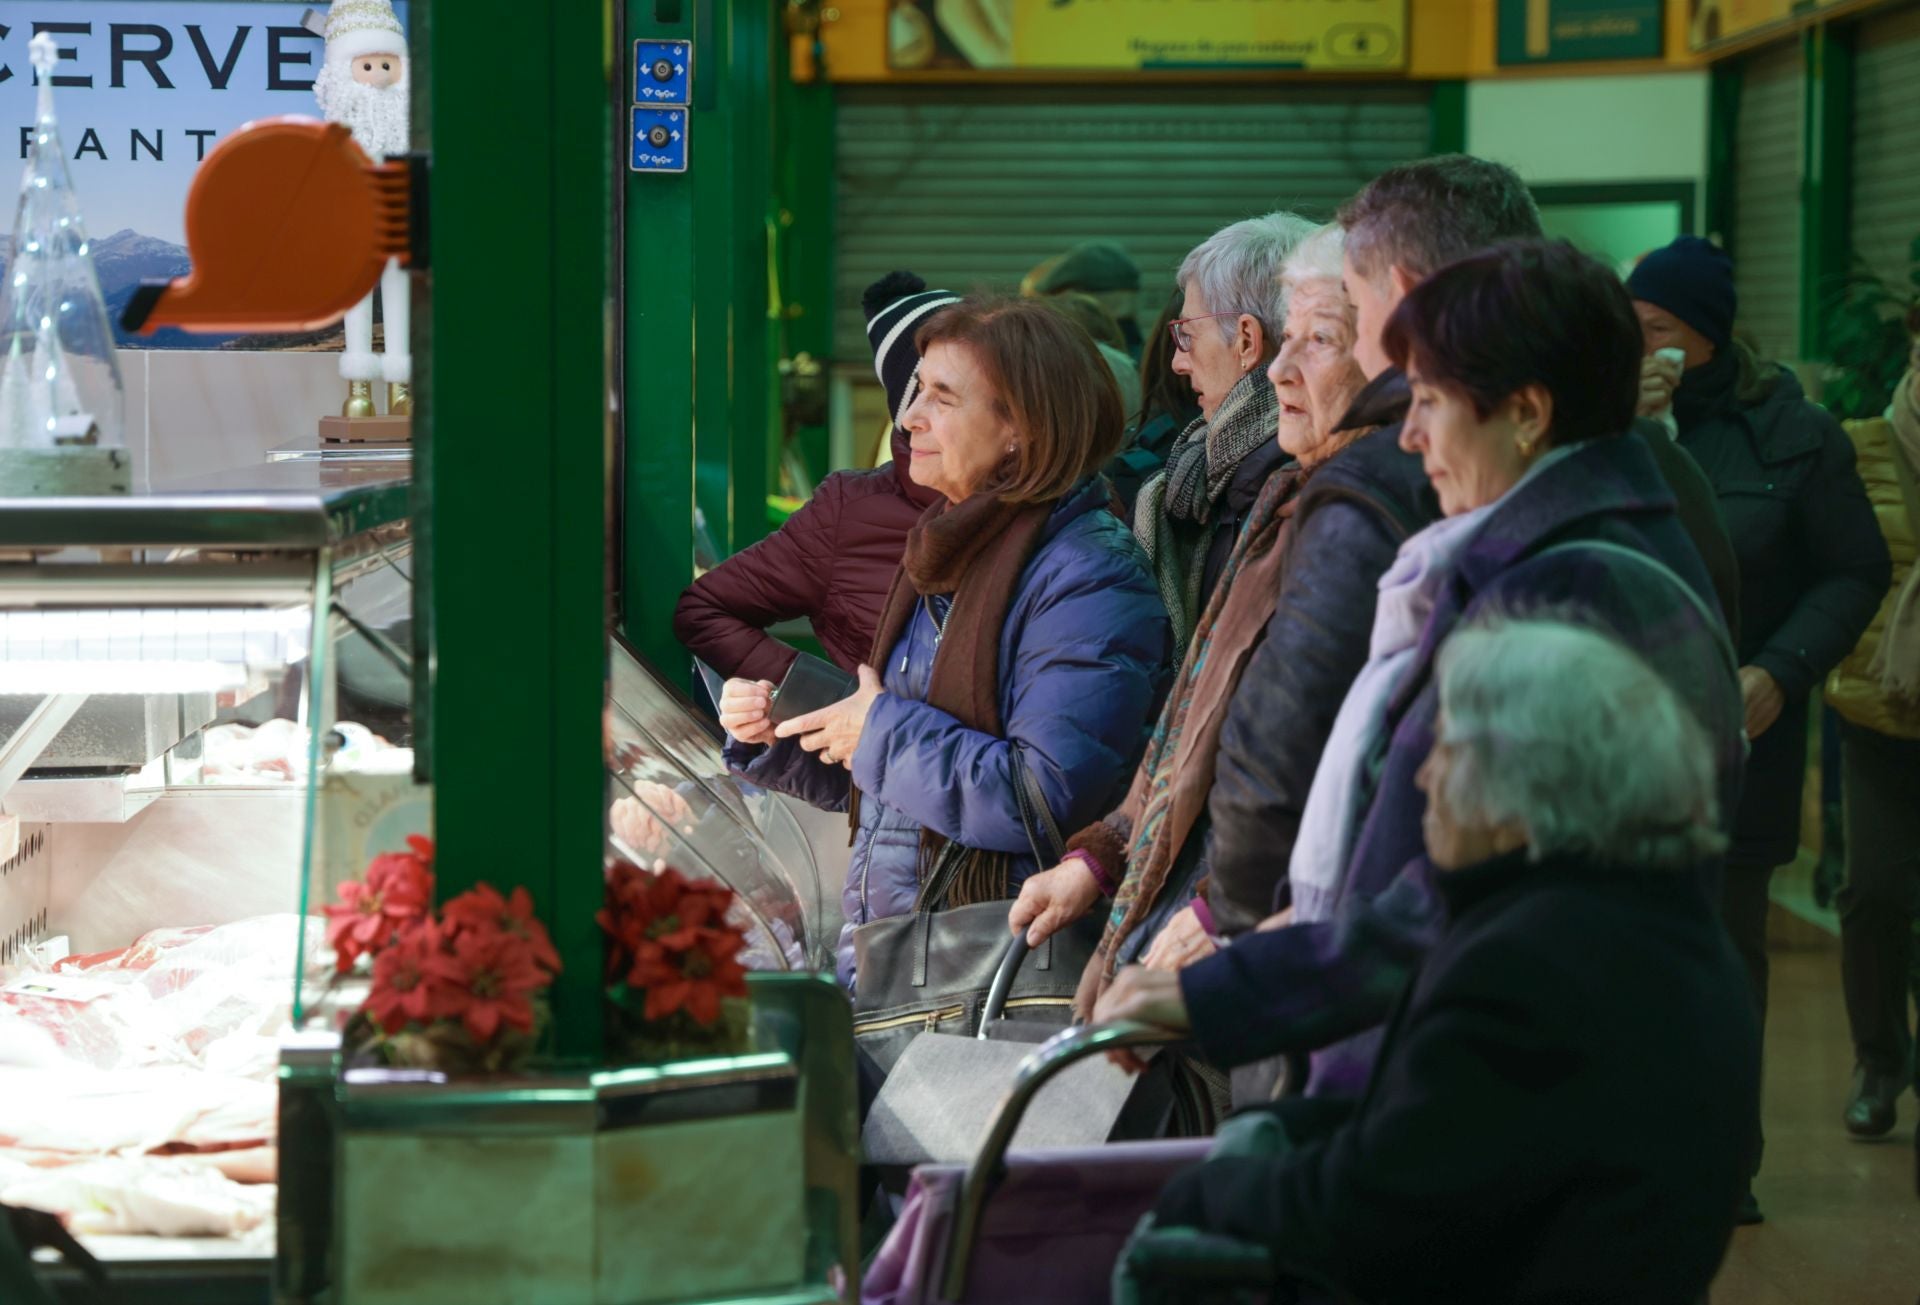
(1050, 384)
(1163, 390)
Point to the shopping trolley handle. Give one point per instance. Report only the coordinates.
(1057, 1053)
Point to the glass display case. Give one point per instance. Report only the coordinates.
(672, 799)
(166, 659)
(204, 729)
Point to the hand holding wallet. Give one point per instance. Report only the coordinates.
(810, 684)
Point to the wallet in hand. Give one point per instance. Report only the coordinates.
(810, 684)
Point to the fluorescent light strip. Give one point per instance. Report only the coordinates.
(237, 636)
(118, 677)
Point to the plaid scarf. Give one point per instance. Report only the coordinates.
(1176, 505)
(1179, 759)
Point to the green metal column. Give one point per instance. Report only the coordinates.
(1827, 186)
(804, 155)
(733, 194)
(1723, 119)
(1448, 132)
(657, 385)
(512, 484)
(698, 386)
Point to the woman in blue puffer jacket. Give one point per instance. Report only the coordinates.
(1023, 616)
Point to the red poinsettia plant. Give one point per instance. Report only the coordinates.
(462, 989)
(674, 977)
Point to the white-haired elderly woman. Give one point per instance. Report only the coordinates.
(1520, 1141)
(1188, 514)
(1220, 792)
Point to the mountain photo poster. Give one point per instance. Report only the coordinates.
(145, 89)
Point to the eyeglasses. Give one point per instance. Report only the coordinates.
(1182, 337)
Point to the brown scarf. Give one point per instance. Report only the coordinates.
(976, 551)
(1170, 788)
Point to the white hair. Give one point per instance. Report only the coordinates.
(1567, 733)
(1237, 270)
(1315, 259)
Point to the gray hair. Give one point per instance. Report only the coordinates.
(1237, 270)
(1423, 215)
(1566, 732)
(1317, 258)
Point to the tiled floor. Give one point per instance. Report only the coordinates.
(1843, 1220)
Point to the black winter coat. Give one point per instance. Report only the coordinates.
(1352, 516)
(1563, 1110)
(1813, 567)
(1230, 513)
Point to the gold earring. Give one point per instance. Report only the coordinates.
(1527, 444)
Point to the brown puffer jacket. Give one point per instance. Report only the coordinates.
(1853, 690)
(832, 562)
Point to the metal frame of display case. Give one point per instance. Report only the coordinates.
(276, 534)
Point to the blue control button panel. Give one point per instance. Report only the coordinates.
(659, 139)
(663, 72)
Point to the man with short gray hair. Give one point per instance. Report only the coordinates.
(1411, 221)
(1189, 513)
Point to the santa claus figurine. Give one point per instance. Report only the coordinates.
(364, 88)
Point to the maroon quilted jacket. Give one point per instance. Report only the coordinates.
(832, 563)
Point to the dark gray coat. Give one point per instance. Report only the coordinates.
(1351, 518)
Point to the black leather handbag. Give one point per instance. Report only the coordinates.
(930, 971)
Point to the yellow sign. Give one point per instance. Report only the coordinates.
(1322, 35)
(1715, 21)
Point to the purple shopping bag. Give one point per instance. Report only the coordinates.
(1050, 1232)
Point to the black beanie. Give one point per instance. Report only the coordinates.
(1692, 279)
(895, 306)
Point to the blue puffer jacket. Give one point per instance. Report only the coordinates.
(1083, 663)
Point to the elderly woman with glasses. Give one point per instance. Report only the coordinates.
(1227, 776)
(1521, 1140)
(1188, 515)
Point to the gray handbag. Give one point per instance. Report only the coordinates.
(931, 971)
(944, 1091)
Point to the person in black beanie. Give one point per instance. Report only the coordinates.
(834, 559)
(1813, 564)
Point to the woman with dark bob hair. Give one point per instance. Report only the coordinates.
(1520, 1141)
(1524, 363)
(1023, 619)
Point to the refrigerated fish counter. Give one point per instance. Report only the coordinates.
(204, 730)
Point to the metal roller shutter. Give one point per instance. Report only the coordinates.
(972, 186)
(1767, 165)
(1886, 139)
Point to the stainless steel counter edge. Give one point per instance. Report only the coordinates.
(269, 519)
(397, 1101)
